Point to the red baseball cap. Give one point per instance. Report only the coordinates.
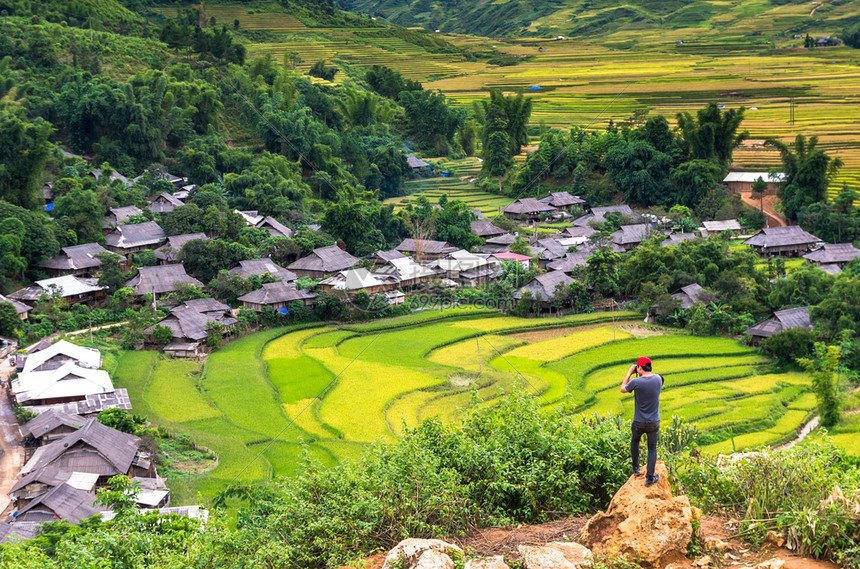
(642, 361)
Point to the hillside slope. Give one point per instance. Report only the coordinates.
(601, 17)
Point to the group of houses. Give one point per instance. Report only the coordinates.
(69, 454)
(413, 264)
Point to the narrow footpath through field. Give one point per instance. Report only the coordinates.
(773, 218)
(11, 452)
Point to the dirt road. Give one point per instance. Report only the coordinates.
(11, 451)
(773, 218)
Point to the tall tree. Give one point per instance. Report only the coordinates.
(24, 147)
(713, 133)
(808, 170)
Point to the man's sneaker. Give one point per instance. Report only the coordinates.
(649, 481)
(637, 472)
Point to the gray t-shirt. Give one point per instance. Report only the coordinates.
(646, 393)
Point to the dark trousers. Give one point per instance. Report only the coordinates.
(652, 431)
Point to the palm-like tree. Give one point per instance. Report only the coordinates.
(713, 134)
(808, 170)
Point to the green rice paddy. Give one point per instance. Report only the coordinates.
(265, 400)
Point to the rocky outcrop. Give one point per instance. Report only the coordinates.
(415, 553)
(646, 524)
(555, 555)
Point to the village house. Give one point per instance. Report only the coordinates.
(161, 279)
(41, 481)
(77, 260)
(74, 290)
(264, 266)
(96, 449)
(710, 228)
(630, 236)
(136, 237)
(508, 257)
(548, 250)
(169, 253)
(173, 179)
(485, 229)
(579, 232)
(425, 250)
(49, 426)
(351, 281)
(119, 215)
(790, 241)
(527, 209)
(21, 309)
(65, 384)
(743, 181)
(466, 269)
(323, 262)
(677, 239)
(278, 296)
(97, 174)
(382, 258)
(419, 166)
(60, 502)
(164, 203)
(543, 288)
(832, 257)
(59, 354)
(189, 323)
(598, 215)
(781, 320)
(251, 217)
(692, 294)
(274, 227)
(570, 262)
(407, 272)
(498, 244)
(563, 201)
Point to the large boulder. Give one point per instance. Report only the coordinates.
(409, 554)
(646, 524)
(555, 555)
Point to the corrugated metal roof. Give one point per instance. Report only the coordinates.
(68, 285)
(750, 177)
(67, 381)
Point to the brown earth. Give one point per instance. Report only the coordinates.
(773, 218)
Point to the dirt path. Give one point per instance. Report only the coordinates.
(816, 8)
(773, 218)
(11, 452)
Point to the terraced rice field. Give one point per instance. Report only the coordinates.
(329, 390)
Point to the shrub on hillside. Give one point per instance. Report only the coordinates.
(783, 490)
(511, 464)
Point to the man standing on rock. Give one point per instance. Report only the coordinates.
(646, 417)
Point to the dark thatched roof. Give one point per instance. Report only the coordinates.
(562, 199)
(75, 258)
(161, 279)
(598, 214)
(427, 246)
(93, 448)
(632, 234)
(62, 501)
(691, 294)
(543, 286)
(486, 229)
(164, 202)
(770, 237)
(262, 267)
(170, 251)
(781, 320)
(676, 238)
(325, 260)
(135, 235)
(50, 420)
(833, 253)
(276, 293)
(570, 262)
(528, 206)
(275, 227)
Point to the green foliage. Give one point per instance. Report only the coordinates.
(713, 133)
(23, 154)
(10, 324)
(121, 420)
(22, 414)
(822, 367)
(323, 71)
(788, 345)
(432, 122)
(679, 436)
(388, 82)
(808, 170)
(162, 334)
